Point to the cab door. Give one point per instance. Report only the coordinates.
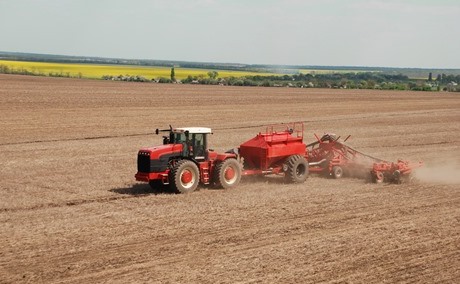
(198, 145)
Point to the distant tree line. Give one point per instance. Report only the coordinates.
(361, 80)
(4, 69)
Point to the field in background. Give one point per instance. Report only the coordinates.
(331, 71)
(204, 67)
(96, 71)
(71, 212)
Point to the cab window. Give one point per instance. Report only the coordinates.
(198, 144)
(179, 138)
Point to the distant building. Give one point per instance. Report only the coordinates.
(452, 87)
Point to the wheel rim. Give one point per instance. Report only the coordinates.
(300, 171)
(338, 172)
(379, 177)
(187, 178)
(230, 175)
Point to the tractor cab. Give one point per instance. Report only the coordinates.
(193, 139)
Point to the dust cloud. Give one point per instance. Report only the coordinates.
(442, 173)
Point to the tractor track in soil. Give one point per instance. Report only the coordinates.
(73, 203)
(414, 144)
(148, 134)
(75, 139)
(72, 213)
(257, 126)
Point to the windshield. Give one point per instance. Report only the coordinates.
(178, 138)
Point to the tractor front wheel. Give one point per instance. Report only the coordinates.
(184, 177)
(297, 169)
(337, 172)
(228, 173)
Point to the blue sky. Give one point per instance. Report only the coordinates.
(390, 33)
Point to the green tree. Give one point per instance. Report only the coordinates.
(213, 74)
(370, 84)
(173, 75)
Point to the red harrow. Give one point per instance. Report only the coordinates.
(393, 172)
(333, 158)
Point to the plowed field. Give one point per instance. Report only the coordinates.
(71, 212)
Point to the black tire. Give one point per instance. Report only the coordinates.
(397, 177)
(297, 169)
(184, 184)
(337, 172)
(228, 174)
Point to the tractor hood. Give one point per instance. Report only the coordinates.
(157, 152)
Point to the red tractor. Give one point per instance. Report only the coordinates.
(184, 161)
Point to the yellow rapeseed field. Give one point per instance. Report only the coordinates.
(96, 71)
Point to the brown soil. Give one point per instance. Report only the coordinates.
(71, 212)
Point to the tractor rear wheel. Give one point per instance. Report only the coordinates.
(337, 172)
(297, 169)
(228, 173)
(184, 177)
